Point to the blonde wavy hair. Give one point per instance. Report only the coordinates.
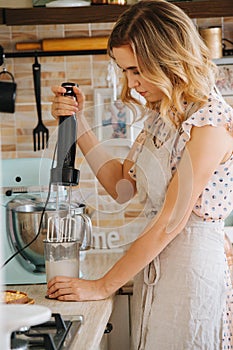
(169, 53)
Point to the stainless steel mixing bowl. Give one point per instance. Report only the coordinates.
(23, 221)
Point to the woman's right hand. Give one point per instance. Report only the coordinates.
(64, 105)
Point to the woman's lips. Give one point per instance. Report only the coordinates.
(142, 93)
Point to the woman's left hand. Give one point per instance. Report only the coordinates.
(75, 289)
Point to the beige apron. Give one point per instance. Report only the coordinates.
(179, 297)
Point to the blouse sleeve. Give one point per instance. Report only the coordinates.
(216, 113)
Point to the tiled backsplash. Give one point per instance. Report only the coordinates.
(88, 71)
(114, 226)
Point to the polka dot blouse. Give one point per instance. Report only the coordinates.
(216, 201)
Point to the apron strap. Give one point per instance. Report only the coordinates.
(151, 277)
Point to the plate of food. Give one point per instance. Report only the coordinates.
(15, 297)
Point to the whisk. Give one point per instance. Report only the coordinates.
(62, 229)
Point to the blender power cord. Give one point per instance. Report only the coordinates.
(41, 219)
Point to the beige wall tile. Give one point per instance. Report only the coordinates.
(79, 27)
(8, 148)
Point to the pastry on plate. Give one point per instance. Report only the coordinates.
(14, 297)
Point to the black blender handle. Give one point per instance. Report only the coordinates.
(69, 89)
(67, 134)
(65, 174)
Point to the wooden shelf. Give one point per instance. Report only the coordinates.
(207, 9)
(63, 15)
(104, 13)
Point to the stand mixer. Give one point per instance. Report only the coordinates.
(22, 179)
(26, 208)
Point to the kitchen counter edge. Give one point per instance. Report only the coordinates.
(96, 314)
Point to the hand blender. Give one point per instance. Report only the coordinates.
(60, 229)
(65, 174)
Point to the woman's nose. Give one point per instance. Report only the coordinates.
(132, 81)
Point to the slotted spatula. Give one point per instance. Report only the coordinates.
(40, 132)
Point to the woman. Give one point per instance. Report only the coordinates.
(181, 165)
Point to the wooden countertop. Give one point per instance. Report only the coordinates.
(96, 313)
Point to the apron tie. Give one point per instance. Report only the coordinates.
(151, 276)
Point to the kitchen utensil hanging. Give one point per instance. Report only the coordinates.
(40, 132)
(7, 92)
